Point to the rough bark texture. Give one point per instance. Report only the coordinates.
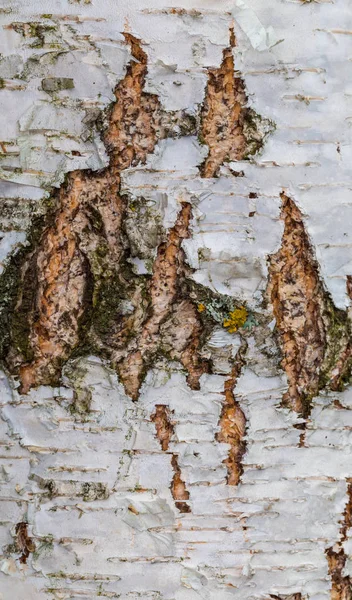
(233, 425)
(231, 130)
(164, 432)
(314, 335)
(175, 300)
(341, 586)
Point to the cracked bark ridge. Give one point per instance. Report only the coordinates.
(82, 246)
(232, 424)
(162, 418)
(313, 334)
(341, 585)
(172, 325)
(74, 280)
(231, 130)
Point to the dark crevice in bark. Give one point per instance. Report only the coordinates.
(24, 543)
(313, 333)
(162, 418)
(232, 423)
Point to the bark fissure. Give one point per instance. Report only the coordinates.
(74, 279)
(172, 324)
(232, 130)
(232, 423)
(313, 333)
(341, 585)
(24, 543)
(162, 418)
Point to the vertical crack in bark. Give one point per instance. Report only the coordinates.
(163, 425)
(341, 586)
(172, 324)
(164, 431)
(231, 130)
(24, 543)
(178, 488)
(313, 332)
(232, 424)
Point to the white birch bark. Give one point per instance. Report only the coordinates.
(101, 494)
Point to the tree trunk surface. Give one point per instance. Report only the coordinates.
(176, 300)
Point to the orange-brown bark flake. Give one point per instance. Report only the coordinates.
(83, 243)
(24, 543)
(298, 299)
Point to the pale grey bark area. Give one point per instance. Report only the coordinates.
(80, 462)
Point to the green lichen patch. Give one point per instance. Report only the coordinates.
(41, 32)
(256, 130)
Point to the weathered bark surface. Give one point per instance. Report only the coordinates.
(315, 337)
(175, 301)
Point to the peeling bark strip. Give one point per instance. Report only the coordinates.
(341, 585)
(313, 332)
(231, 130)
(24, 543)
(164, 430)
(174, 325)
(232, 425)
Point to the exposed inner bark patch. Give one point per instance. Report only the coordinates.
(73, 291)
(172, 324)
(341, 585)
(164, 431)
(313, 333)
(178, 488)
(232, 424)
(163, 425)
(72, 283)
(231, 130)
(83, 245)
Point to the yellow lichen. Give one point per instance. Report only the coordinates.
(201, 308)
(235, 319)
